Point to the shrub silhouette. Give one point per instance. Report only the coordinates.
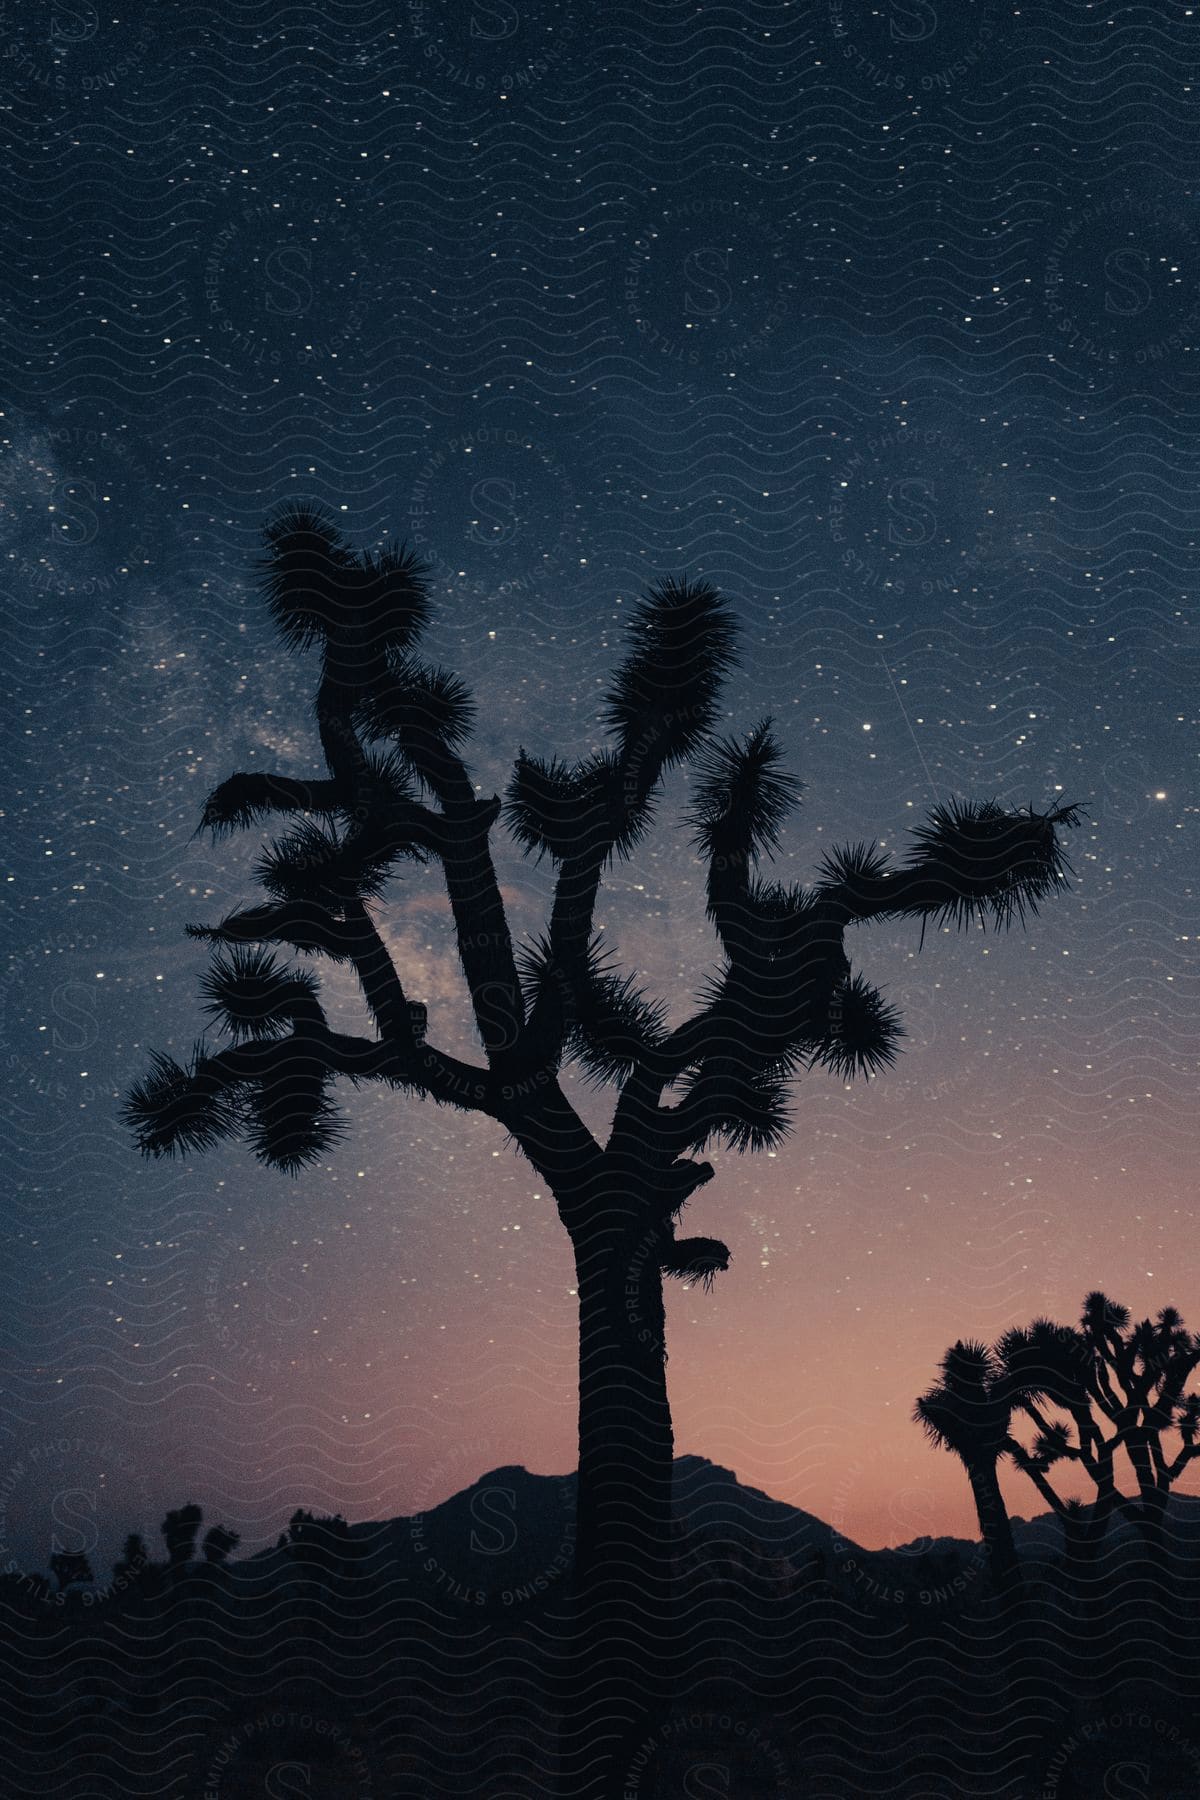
(69, 1568)
(219, 1542)
(179, 1530)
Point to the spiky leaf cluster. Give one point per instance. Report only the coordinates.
(608, 1023)
(615, 1027)
(777, 937)
(1102, 1317)
(858, 868)
(286, 1115)
(785, 966)
(967, 1411)
(864, 1030)
(303, 925)
(291, 1118)
(988, 863)
(359, 608)
(389, 781)
(173, 1110)
(420, 707)
(747, 1110)
(695, 1259)
(329, 869)
(664, 696)
(560, 809)
(1045, 1361)
(741, 795)
(252, 996)
(245, 800)
(1051, 1446)
(1187, 1418)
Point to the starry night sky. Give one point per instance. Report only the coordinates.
(883, 317)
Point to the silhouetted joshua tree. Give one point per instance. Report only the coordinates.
(968, 1412)
(1120, 1392)
(179, 1530)
(392, 732)
(70, 1568)
(219, 1542)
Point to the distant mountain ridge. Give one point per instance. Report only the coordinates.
(509, 1536)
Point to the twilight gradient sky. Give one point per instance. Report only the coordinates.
(881, 316)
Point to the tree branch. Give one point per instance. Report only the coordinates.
(974, 859)
(423, 1069)
(661, 706)
(1026, 1405)
(484, 941)
(380, 982)
(404, 705)
(1186, 1455)
(1020, 1457)
(613, 799)
(242, 799)
(553, 1138)
(302, 924)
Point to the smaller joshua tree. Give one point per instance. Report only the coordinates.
(968, 1412)
(1110, 1398)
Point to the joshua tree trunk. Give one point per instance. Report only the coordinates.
(626, 1445)
(619, 1676)
(1021, 1661)
(995, 1528)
